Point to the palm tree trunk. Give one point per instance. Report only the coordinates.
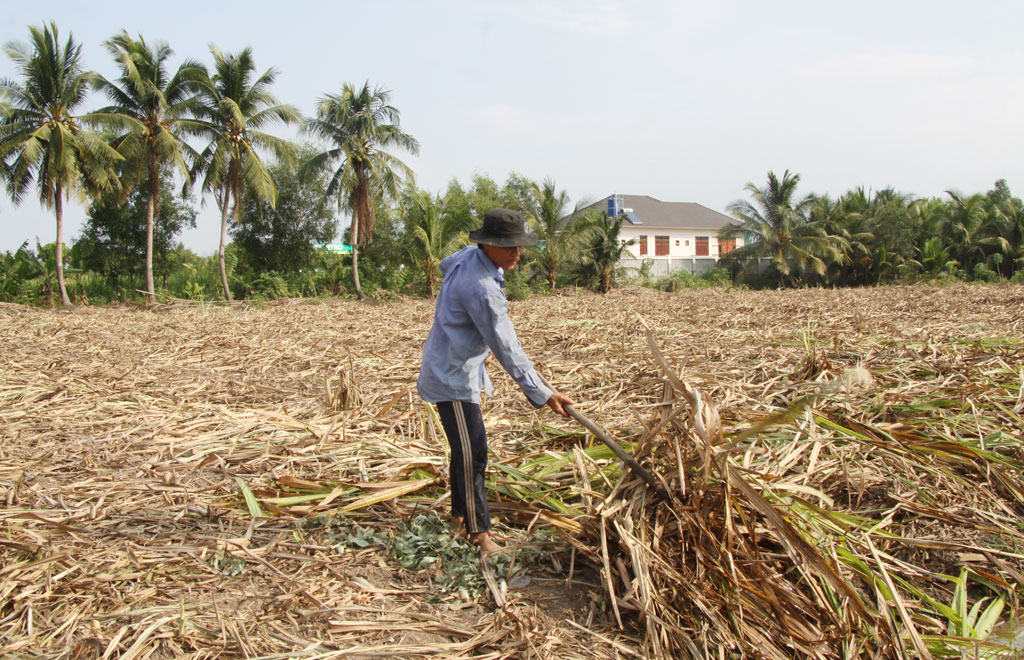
(429, 267)
(355, 255)
(223, 241)
(150, 289)
(154, 194)
(59, 249)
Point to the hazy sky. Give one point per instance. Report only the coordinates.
(684, 101)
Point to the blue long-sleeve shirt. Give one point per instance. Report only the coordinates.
(471, 320)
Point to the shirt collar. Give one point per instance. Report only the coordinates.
(492, 270)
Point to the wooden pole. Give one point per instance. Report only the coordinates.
(603, 436)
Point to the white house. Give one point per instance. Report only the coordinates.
(674, 235)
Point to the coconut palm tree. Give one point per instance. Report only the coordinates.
(360, 124)
(1006, 236)
(149, 109)
(233, 108)
(603, 249)
(848, 228)
(964, 228)
(4, 112)
(781, 230)
(435, 232)
(896, 221)
(559, 233)
(933, 261)
(42, 141)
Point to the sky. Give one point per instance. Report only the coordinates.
(683, 101)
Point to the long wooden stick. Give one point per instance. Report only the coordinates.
(603, 436)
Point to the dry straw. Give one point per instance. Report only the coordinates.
(842, 477)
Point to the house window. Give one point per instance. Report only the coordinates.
(701, 245)
(661, 246)
(643, 245)
(677, 242)
(725, 246)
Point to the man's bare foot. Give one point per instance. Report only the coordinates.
(459, 527)
(487, 545)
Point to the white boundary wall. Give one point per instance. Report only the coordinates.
(662, 267)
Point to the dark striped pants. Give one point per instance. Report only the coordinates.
(464, 426)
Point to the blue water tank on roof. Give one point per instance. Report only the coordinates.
(614, 206)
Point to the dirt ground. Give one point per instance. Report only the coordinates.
(129, 438)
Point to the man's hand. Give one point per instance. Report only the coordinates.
(556, 401)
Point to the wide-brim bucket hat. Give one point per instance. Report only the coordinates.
(503, 228)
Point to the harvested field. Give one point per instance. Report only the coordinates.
(209, 481)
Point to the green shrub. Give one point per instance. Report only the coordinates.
(10, 287)
(38, 291)
(269, 285)
(331, 274)
(644, 273)
(681, 280)
(91, 288)
(197, 279)
(716, 277)
(983, 273)
(517, 286)
(936, 279)
(395, 279)
(192, 291)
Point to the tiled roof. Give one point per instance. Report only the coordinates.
(678, 215)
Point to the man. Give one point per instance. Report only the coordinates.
(471, 320)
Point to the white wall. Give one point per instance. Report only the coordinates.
(686, 239)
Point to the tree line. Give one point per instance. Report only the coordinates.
(206, 128)
(865, 238)
(166, 137)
